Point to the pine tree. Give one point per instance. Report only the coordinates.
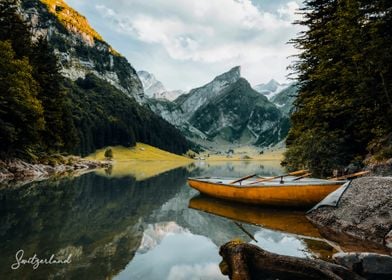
(13, 28)
(59, 133)
(21, 113)
(344, 74)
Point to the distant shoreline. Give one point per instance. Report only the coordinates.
(17, 170)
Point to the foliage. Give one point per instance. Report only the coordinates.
(60, 132)
(68, 16)
(345, 76)
(41, 112)
(108, 153)
(21, 113)
(13, 29)
(50, 129)
(105, 116)
(190, 154)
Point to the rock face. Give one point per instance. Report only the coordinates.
(81, 50)
(155, 89)
(152, 87)
(369, 265)
(284, 99)
(270, 89)
(364, 211)
(200, 96)
(240, 115)
(225, 111)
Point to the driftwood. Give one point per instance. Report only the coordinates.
(242, 261)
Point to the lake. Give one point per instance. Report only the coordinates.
(115, 226)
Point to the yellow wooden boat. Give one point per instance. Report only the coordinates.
(290, 192)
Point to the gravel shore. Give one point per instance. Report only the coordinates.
(364, 211)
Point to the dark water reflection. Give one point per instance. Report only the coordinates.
(120, 228)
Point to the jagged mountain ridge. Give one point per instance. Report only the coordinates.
(154, 88)
(284, 99)
(80, 49)
(240, 115)
(225, 110)
(191, 101)
(270, 89)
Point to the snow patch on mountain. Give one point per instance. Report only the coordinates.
(153, 88)
(271, 89)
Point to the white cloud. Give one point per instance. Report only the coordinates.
(206, 30)
(289, 11)
(208, 33)
(195, 272)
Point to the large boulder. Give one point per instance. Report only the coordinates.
(364, 211)
(369, 265)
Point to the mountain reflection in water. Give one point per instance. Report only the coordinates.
(121, 228)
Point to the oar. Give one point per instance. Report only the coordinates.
(302, 176)
(349, 176)
(246, 232)
(275, 177)
(242, 179)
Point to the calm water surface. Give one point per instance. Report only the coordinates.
(158, 228)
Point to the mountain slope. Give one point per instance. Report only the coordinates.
(240, 115)
(197, 97)
(270, 89)
(154, 88)
(80, 49)
(225, 111)
(100, 106)
(284, 99)
(105, 116)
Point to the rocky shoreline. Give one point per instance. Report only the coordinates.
(17, 170)
(363, 212)
(243, 261)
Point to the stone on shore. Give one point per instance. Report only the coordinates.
(369, 265)
(19, 170)
(364, 211)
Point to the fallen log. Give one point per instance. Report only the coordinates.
(242, 261)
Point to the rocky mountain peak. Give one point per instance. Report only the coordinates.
(241, 115)
(230, 76)
(152, 87)
(270, 89)
(224, 111)
(272, 85)
(197, 97)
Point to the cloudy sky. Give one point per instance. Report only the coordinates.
(186, 43)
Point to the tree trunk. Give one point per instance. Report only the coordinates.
(249, 262)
